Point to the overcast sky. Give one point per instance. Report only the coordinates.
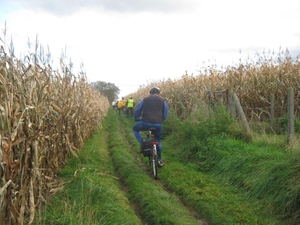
(131, 42)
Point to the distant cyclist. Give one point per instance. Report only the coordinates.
(153, 110)
(121, 106)
(130, 105)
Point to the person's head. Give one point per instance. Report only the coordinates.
(154, 90)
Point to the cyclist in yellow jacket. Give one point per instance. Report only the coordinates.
(121, 105)
(130, 105)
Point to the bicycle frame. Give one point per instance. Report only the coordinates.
(153, 159)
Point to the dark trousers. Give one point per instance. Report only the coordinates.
(121, 110)
(129, 111)
(143, 126)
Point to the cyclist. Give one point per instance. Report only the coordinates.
(130, 105)
(153, 111)
(121, 105)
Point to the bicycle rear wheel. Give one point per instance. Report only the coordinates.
(154, 162)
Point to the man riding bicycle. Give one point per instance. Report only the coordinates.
(153, 110)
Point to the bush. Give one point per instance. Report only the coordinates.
(284, 123)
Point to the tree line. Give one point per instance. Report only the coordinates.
(110, 90)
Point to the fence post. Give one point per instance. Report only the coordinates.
(209, 98)
(231, 107)
(272, 119)
(241, 113)
(291, 138)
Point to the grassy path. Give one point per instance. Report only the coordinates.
(156, 206)
(91, 193)
(109, 184)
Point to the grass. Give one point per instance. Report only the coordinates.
(215, 201)
(111, 188)
(93, 196)
(156, 205)
(261, 171)
(210, 177)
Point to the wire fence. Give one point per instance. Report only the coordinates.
(270, 114)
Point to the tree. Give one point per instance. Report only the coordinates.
(110, 90)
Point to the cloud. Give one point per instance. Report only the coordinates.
(68, 7)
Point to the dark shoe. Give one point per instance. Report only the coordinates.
(160, 163)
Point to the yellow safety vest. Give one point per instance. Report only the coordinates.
(130, 103)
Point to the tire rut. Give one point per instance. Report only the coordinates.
(124, 189)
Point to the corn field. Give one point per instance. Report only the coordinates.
(253, 82)
(45, 116)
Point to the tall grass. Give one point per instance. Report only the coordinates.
(262, 170)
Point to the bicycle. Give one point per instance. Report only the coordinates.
(150, 150)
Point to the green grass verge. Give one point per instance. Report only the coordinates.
(93, 196)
